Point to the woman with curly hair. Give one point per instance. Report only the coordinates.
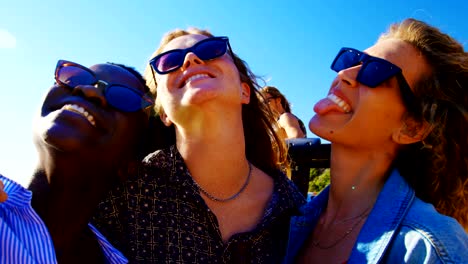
(396, 116)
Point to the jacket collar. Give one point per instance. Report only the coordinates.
(391, 206)
(389, 210)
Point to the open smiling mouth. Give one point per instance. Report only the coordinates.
(195, 77)
(340, 102)
(80, 110)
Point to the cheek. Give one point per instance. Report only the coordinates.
(51, 98)
(163, 97)
(166, 81)
(229, 69)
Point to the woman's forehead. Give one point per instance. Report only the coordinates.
(184, 42)
(402, 54)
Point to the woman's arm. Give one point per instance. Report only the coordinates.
(290, 124)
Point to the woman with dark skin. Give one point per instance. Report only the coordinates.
(87, 138)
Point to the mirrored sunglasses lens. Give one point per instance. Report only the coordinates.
(169, 61)
(373, 73)
(346, 60)
(73, 76)
(124, 98)
(211, 49)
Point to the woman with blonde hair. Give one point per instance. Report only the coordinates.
(216, 194)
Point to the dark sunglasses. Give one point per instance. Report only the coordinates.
(127, 99)
(373, 72)
(207, 49)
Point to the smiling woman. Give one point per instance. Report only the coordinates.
(396, 117)
(217, 193)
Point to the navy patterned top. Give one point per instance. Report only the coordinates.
(160, 217)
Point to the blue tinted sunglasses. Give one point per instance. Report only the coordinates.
(373, 72)
(127, 99)
(207, 49)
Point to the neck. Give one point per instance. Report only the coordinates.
(66, 189)
(211, 153)
(356, 180)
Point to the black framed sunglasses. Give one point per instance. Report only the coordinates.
(207, 49)
(373, 72)
(127, 99)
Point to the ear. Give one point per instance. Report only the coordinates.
(165, 119)
(411, 131)
(245, 93)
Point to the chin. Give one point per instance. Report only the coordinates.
(317, 127)
(62, 140)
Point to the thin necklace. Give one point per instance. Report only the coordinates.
(209, 195)
(232, 197)
(352, 217)
(316, 243)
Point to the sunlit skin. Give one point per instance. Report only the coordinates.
(207, 114)
(364, 142)
(289, 126)
(364, 126)
(219, 90)
(79, 161)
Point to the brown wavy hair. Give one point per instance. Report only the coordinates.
(260, 135)
(437, 167)
(275, 93)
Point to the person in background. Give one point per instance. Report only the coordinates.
(290, 126)
(397, 119)
(216, 194)
(88, 135)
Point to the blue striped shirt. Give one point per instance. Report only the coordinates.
(24, 237)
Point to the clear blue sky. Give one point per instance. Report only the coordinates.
(290, 43)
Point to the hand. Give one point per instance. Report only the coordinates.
(3, 194)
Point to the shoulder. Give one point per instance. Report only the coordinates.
(426, 234)
(18, 196)
(287, 117)
(24, 236)
(161, 156)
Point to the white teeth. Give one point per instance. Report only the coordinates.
(196, 76)
(340, 102)
(80, 110)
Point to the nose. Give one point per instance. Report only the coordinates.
(349, 75)
(190, 60)
(92, 93)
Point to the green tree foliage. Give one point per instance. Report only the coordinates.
(319, 179)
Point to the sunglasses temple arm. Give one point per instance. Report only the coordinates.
(152, 72)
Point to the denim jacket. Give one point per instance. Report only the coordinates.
(400, 229)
